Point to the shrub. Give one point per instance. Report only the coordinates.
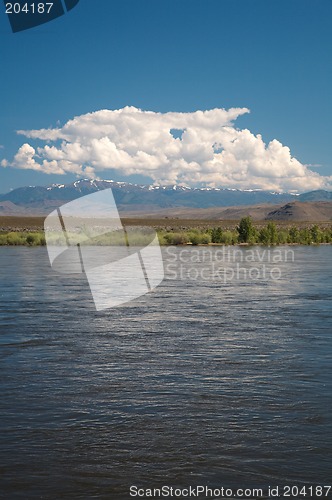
(31, 239)
(216, 235)
(19, 238)
(15, 239)
(176, 238)
(230, 238)
(205, 238)
(194, 238)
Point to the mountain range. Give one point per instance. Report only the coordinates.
(173, 201)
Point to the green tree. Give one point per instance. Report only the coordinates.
(268, 235)
(263, 236)
(283, 236)
(294, 235)
(217, 235)
(305, 236)
(246, 230)
(316, 234)
(273, 233)
(327, 235)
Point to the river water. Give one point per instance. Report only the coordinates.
(218, 378)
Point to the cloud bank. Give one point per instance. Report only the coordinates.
(199, 148)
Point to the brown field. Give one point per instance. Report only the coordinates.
(17, 223)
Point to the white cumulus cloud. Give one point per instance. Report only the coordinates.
(198, 148)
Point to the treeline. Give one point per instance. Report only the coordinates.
(246, 232)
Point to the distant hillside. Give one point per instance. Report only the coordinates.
(257, 212)
(295, 211)
(319, 211)
(7, 207)
(175, 201)
(319, 195)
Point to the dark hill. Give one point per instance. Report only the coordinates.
(319, 211)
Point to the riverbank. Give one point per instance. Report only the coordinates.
(266, 235)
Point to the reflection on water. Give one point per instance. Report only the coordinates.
(199, 382)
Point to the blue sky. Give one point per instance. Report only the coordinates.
(273, 57)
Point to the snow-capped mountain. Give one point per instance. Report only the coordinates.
(140, 197)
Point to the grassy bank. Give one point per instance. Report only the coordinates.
(266, 235)
(245, 232)
(22, 238)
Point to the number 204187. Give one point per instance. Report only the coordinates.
(29, 8)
